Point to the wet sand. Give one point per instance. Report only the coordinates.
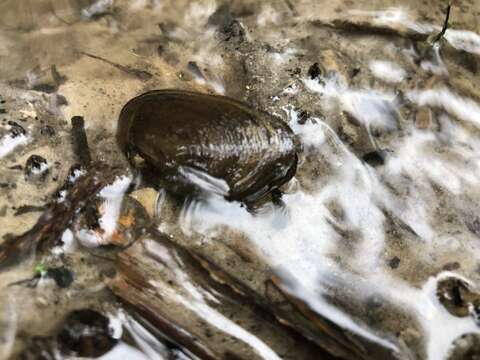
(382, 209)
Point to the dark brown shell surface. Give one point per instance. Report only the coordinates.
(174, 130)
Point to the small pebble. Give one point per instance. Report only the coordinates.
(394, 262)
(16, 129)
(423, 118)
(62, 276)
(47, 130)
(86, 333)
(457, 296)
(36, 168)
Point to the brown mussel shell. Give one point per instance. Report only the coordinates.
(175, 131)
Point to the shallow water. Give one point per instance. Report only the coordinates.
(383, 207)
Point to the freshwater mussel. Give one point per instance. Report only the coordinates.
(193, 141)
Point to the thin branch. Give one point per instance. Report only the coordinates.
(140, 74)
(445, 26)
(25, 209)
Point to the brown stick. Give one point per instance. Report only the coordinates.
(339, 341)
(80, 142)
(363, 27)
(58, 215)
(140, 74)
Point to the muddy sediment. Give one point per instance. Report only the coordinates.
(372, 250)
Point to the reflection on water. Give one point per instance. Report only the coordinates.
(382, 209)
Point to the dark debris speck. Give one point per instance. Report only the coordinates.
(374, 158)
(62, 276)
(354, 72)
(47, 130)
(61, 100)
(303, 117)
(314, 72)
(451, 266)
(474, 226)
(394, 262)
(16, 129)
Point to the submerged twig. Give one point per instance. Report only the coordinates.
(140, 74)
(339, 341)
(58, 17)
(72, 197)
(148, 267)
(291, 7)
(58, 215)
(444, 28)
(366, 27)
(363, 26)
(31, 282)
(25, 209)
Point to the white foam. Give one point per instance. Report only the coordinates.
(439, 326)
(198, 12)
(75, 175)
(217, 84)
(151, 347)
(436, 65)
(9, 143)
(151, 5)
(280, 58)
(310, 228)
(90, 238)
(464, 40)
(196, 301)
(30, 113)
(460, 39)
(268, 16)
(112, 196)
(309, 238)
(371, 108)
(308, 132)
(464, 108)
(125, 351)
(68, 244)
(204, 181)
(42, 169)
(62, 195)
(393, 17)
(307, 222)
(388, 71)
(316, 302)
(223, 323)
(99, 7)
(291, 89)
